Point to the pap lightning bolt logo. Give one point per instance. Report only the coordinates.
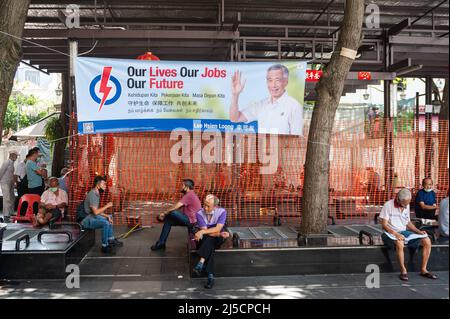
(104, 88)
(101, 86)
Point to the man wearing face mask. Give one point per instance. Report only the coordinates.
(426, 201)
(97, 217)
(180, 214)
(53, 203)
(35, 174)
(399, 232)
(43, 166)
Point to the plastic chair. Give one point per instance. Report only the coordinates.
(28, 215)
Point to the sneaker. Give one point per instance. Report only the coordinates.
(158, 247)
(107, 250)
(116, 243)
(209, 283)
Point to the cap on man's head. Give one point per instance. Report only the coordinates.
(53, 177)
(13, 152)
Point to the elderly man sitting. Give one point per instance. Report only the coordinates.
(53, 202)
(399, 231)
(211, 220)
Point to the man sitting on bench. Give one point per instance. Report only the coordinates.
(97, 217)
(180, 214)
(426, 201)
(399, 231)
(53, 203)
(210, 219)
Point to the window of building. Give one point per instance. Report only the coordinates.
(32, 76)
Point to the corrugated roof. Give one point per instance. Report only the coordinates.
(203, 30)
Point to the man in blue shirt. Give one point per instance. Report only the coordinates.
(426, 201)
(211, 220)
(34, 173)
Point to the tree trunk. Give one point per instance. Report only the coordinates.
(329, 91)
(13, 14)
(60, 145)
(443, 174)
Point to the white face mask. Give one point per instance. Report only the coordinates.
(428, 190)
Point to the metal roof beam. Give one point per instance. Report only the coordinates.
(420, 49)
(415, 41)
(400, 65)
(34, 67)
(396, 29)
(429, 11)
(127, 34)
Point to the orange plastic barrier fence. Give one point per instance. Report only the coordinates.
(368, 165)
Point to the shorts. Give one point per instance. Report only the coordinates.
(413, 244)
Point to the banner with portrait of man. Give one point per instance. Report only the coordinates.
(118, 95)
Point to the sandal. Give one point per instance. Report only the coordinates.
(404, 277)
(428, 275)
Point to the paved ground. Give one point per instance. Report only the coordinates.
(136, 272)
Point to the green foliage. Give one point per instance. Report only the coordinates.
(16, 102)
(53, 129)
(407, 115)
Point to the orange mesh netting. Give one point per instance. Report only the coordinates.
(367, 166)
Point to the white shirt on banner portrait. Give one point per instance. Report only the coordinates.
(283, 116)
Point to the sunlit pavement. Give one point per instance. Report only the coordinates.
(137, 272)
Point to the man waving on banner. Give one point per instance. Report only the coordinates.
(279, 113)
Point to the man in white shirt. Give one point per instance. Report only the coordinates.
(19, 178)
(397, 226)
(7, 184)
(279, 113)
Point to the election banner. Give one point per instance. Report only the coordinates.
(118, 95)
